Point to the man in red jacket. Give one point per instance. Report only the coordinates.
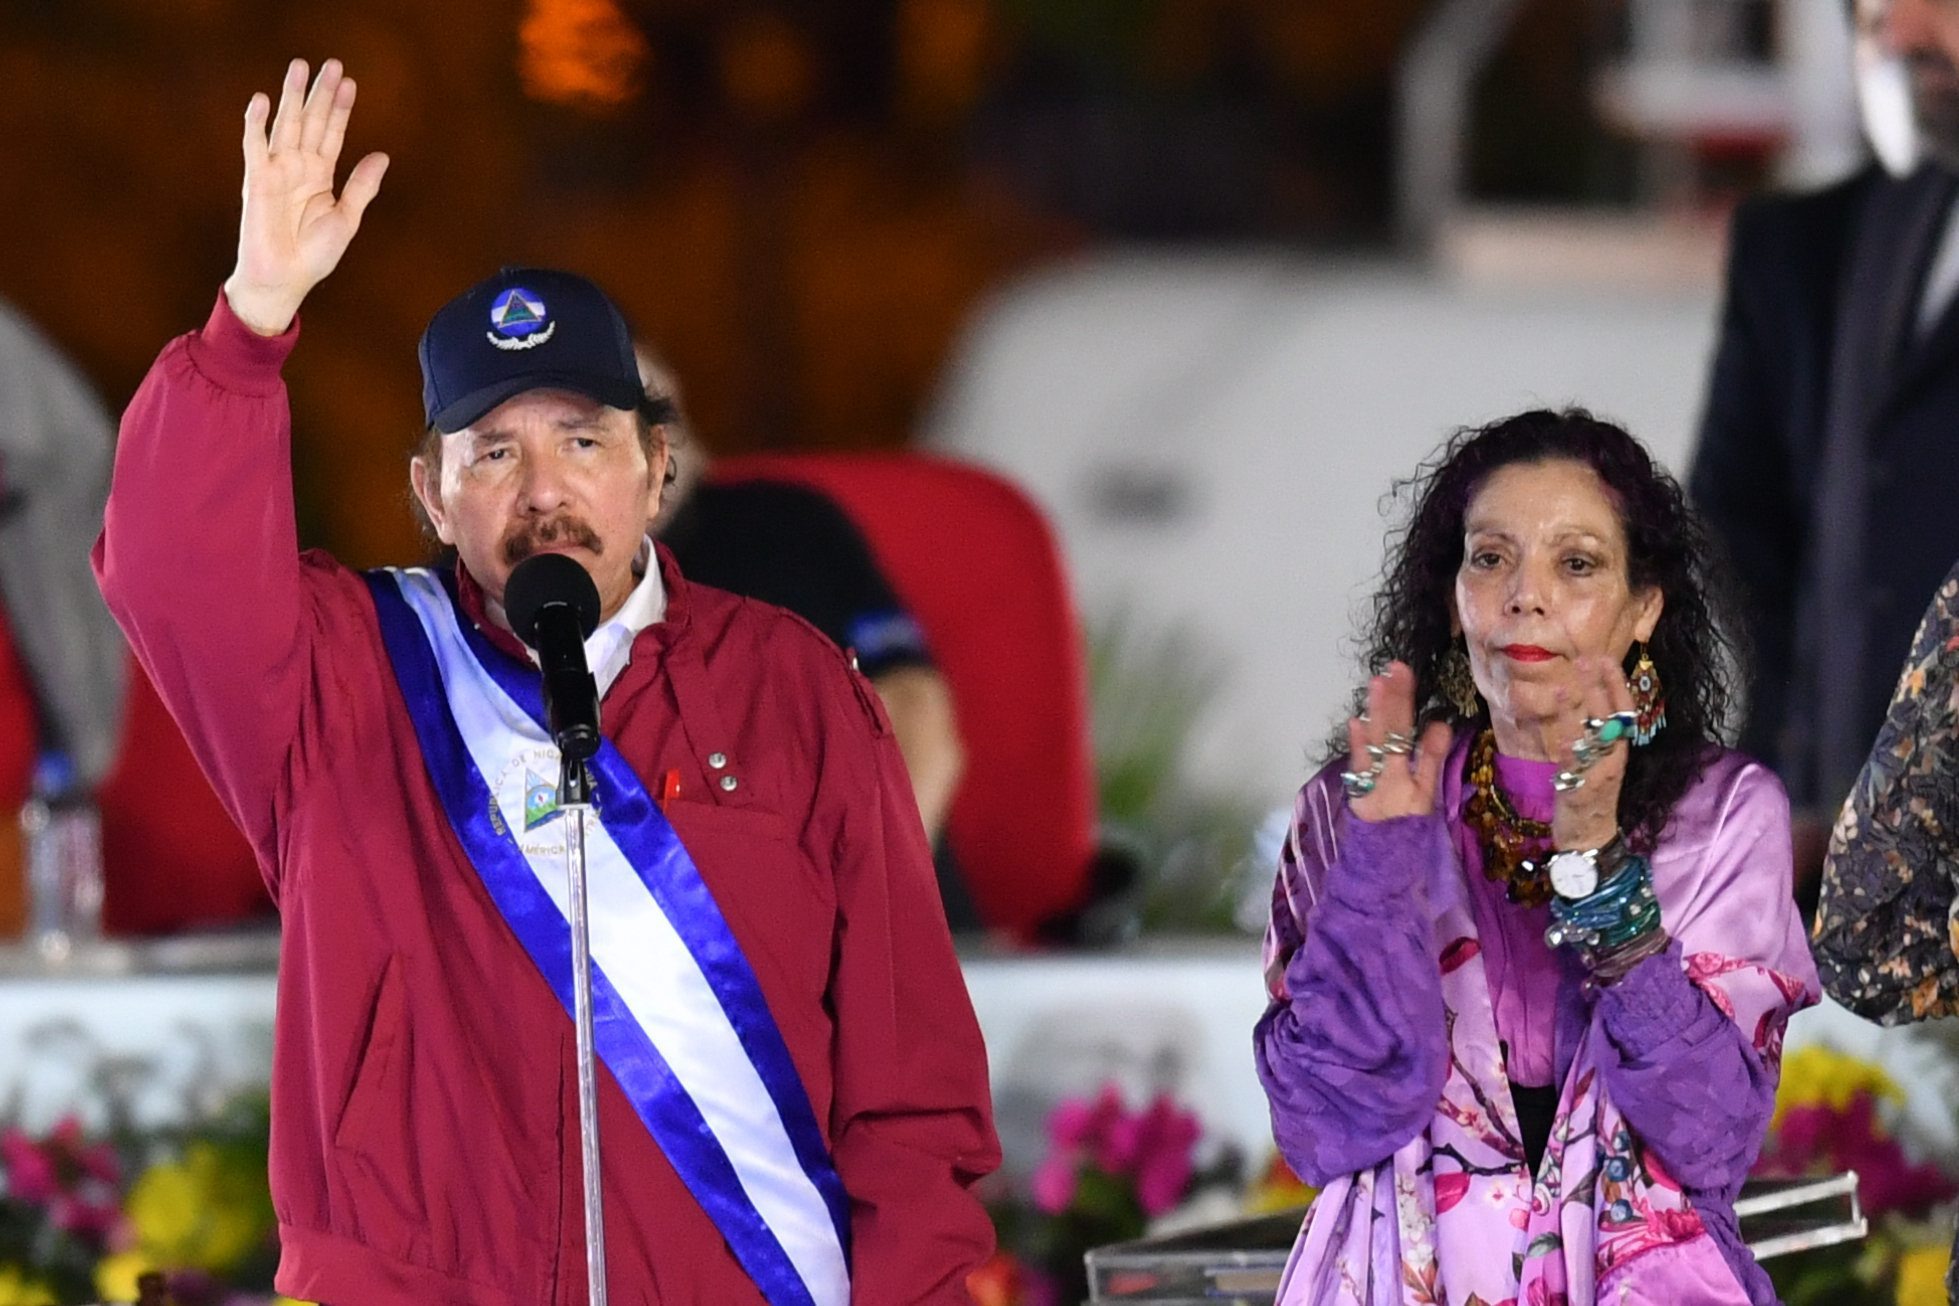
(793, 1095)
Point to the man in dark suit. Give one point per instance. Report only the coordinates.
(1828, 462)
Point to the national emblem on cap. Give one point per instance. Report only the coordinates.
(590, 350)
(518, 320)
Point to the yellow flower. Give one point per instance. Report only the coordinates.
(200, 1211)
(1818, 1075)
(1278, 1189)
(115, 1276)
(164, 1209)
(16, 1289)
(1269, 1199)
(1921, 1276)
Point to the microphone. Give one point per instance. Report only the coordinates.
(553, 606)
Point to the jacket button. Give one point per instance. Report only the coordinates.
(728, 783)
(717, 760)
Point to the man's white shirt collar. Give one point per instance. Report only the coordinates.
(610, 648)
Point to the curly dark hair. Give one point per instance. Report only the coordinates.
(1696, 646)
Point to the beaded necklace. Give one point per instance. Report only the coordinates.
(1512, 845)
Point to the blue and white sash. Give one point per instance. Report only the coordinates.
(678, 1016)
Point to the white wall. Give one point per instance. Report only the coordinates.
(1276, 400)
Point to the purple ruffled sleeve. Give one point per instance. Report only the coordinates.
(1353, 1051)
(1684, 1076)
(1697, 1031)
(1693, 1037)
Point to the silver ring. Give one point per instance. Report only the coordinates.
(1359, 784)
(1397, 744)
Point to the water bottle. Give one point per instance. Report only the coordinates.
(61, 837)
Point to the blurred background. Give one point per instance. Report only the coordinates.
(808, 204)
(1200, 279)
(1202, 276)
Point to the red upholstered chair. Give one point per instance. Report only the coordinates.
(171, 858)
(978, 567)
(19, 732)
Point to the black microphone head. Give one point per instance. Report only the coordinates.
(544, 579)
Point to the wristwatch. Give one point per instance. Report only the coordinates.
(1575, 873)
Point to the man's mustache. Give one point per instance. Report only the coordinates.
(530, 537)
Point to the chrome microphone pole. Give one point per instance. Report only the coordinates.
(575, 801)
(553, 605)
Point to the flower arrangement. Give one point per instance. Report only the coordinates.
(1109, 1174)
(176, 1217)
(1831, 1116)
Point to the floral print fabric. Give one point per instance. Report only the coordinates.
(1454, 1218)
(1887, 928)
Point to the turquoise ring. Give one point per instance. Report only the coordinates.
(1609, 730)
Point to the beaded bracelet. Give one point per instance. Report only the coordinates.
(1618, 917)
(1610, 967)
(1603, 914)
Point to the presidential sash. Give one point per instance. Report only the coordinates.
(677, 1014)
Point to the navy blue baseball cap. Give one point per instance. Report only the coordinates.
(525, 329)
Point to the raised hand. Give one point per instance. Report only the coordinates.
(1409, 773)
(293, 230)
(1587, 816)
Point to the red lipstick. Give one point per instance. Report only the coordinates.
(1527, 653)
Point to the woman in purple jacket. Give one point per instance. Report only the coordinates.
(1532, 945)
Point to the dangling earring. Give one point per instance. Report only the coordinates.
(1456, 685)
(1649, 699)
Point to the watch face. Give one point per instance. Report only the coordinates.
(1573, 875)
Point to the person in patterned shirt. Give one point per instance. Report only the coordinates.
(1887, 929)
(1887, 926)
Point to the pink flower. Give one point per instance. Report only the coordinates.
(1053, 1184)
(1802, 1137)
(29, 1170)
(1449, 1189)
(1152, 1147)
(77, 1215)
(1165, 1135)
(100, 1163)
(1817, 1137)
(1076, 1124)
(1077, 1129)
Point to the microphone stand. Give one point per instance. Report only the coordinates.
(571, 708)
(575, 801)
